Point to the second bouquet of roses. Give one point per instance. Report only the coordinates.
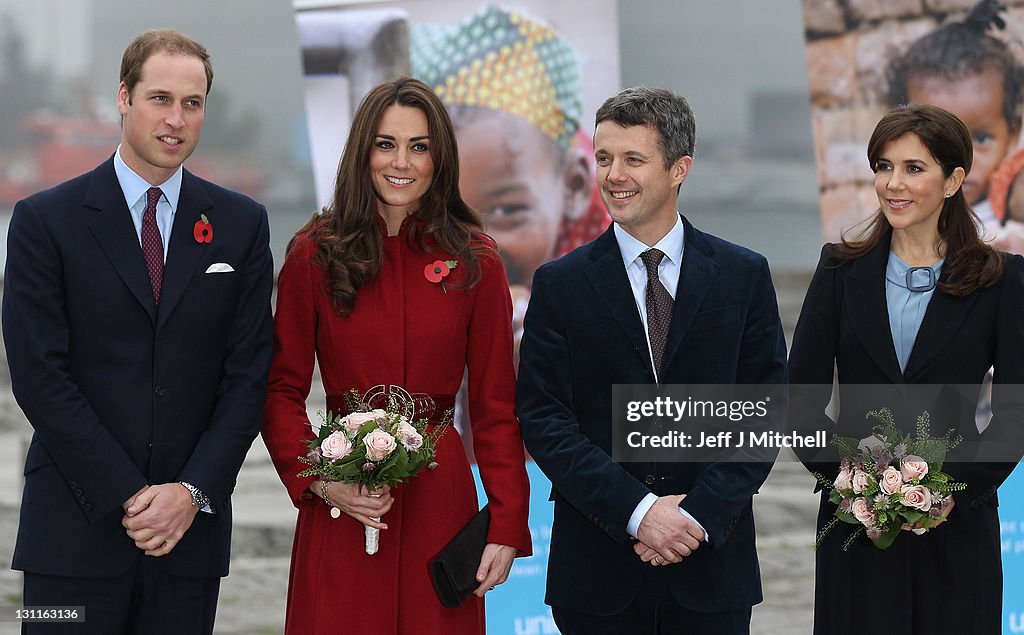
(373, 447)
(890, 481)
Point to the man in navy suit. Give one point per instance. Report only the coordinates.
(136, 315)
(658, 547)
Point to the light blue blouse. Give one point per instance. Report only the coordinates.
(907, 300)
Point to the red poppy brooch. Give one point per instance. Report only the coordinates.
(438, 270)
(203, 230)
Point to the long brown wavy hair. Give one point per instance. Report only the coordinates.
(970, 263)
(348, 233)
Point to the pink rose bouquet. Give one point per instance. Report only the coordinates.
(890, 480)
(373, 447)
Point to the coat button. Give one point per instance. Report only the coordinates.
(160, 391)
(649, 479)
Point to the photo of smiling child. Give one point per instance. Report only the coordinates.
(966, 68)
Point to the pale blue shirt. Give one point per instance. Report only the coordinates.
(671, 244)
(134, 188)
(906, 308)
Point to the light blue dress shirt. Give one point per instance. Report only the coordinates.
(134, 188)
(906, 307)
(671, 245)
(668, 269)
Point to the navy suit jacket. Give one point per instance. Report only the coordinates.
(583, 333)
(121, 393)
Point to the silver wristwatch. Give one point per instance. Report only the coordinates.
(199, 499)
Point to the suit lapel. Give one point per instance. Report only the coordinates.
(942, 319)
(696, 275)
(183, 252)
(867, 308)
(114, 230)
(608, 277)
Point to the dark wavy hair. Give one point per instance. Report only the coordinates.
(959, 49)
(348, 232)
(970, 263)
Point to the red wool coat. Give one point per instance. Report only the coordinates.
(409, 332)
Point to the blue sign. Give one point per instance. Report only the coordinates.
(517, 607)
(1011, 527)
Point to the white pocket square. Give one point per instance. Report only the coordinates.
(220, 267)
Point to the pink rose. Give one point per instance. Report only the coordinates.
(860, 481)
(913, 467)
(336, 446)
(356, 420)
(379, 445)
(844, 480)
(862, 512)
(410, 438)
(892, 480)
(917, 496)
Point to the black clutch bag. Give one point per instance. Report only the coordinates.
(453, 569)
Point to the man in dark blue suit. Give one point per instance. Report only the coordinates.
(652, 300)
(136, 315)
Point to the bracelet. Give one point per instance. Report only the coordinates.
(335, 511)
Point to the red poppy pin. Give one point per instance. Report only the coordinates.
(438, 270)
(203, 230)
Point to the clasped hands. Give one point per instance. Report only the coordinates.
(157, 516)
(665, 536)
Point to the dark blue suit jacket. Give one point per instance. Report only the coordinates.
(120, 393)
(583, 334)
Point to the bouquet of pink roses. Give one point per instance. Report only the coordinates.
(373, 447)
(889, 480)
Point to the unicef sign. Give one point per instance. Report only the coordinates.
(1011, 509)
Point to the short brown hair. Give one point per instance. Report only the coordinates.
(153, 41)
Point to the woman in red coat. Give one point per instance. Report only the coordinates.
(358, 294)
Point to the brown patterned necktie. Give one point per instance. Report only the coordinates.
(659, 307)
(152, 245)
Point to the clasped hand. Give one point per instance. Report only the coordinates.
(157, 517)
(666, 536)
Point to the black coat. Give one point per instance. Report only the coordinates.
(949, 580)
(583, 334)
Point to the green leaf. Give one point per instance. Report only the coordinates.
(885, 540)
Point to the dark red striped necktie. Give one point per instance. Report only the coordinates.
(152, 245)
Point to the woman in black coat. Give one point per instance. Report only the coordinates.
(911, 316)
